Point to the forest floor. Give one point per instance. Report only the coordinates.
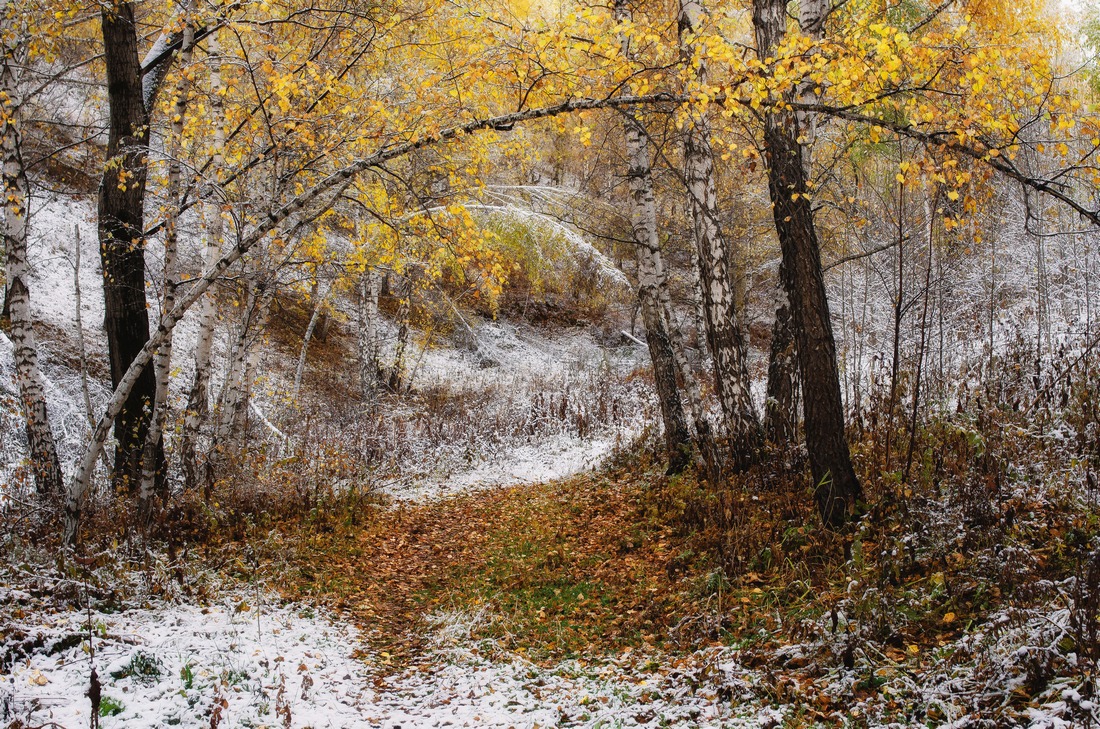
(498, 607)
(578, 602)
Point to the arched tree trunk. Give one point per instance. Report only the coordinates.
(836, 487)
(45, 465)
(725, 334)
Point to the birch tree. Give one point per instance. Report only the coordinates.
(152, 457)
(44, 462)
(198, 398)
(651, 278)
(725, 334)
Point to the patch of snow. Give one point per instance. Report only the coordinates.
(555, 458)
(265, 665)
(175, 665)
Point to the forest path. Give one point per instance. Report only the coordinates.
(572, 564)
(535, 605)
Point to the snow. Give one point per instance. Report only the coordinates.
(257, 658)
(268, 664)
(553, 459)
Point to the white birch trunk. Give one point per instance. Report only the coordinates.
(317, 309)
(370, 282)
(82, 351)
(404, 311)
(723, 322)
(162, 363)
(198, 400)
(231, 398)
(45, 465)
(811, 21)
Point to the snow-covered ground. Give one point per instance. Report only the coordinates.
(252, 661)
(256, 663)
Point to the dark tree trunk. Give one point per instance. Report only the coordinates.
(836, 487)
(121, 236)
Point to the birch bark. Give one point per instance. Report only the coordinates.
(45, 465)
(152, 459)
(198, 400)
(370, 282)
(651, 279)
(725, 334)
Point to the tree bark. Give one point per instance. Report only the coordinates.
(45, 465)
(152, 474)
(404, 292)
(780, 417)
(370, 282)
(121, 236)
(643, 217)
(236, 390)
(725, 334)
(82, 350)
(318, 307)
(651, 280)
(198, 399)
(836, 488)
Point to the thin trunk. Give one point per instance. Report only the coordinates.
(243, 404)
(915, 411)
(370, 282)
(300, 369)
(404, 292)
(836, 487)
(198, 400)
(725, 333)
(651, 278)
(899, 313)
(780, 416)
(45, 465)
(121, 236)
(1042, 299)
(152, 462)
(233, 398)
(82, 350)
